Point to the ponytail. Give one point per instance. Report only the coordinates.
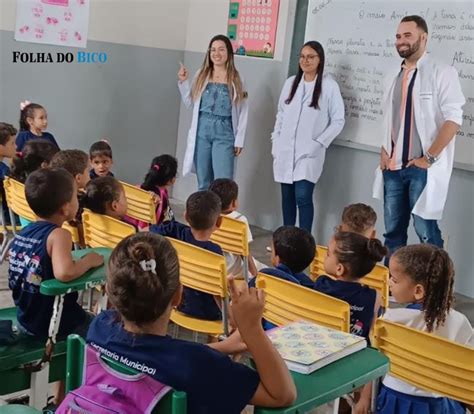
(431, 267)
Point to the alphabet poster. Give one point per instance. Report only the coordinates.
(252, 27)
(54, 22)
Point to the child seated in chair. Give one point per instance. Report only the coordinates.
(228, 192)
(421, 277)
(100, 154)
(293, 251)
(105, 195)
(143, 286)
(350, 257)
(42, 251)
(7, 150)
(203, 210)
(359, 218)
(76, 162)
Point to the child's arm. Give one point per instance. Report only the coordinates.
(378, 303)
(276, 387)
(363, 405)
(252, 267)
(65, 268)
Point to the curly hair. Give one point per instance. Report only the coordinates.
(431, 267)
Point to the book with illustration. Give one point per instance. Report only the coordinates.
(306, 347)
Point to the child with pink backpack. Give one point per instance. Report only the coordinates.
(143, 287)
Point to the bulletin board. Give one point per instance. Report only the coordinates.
(252, 27)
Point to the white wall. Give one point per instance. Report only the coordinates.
(150, 23)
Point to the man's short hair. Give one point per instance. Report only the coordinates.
(419, 21)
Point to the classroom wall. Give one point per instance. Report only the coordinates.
(348, 172)
(131, 99)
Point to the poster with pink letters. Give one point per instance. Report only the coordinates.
(252, 27)
(54, 22)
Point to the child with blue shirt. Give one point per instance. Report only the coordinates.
(7, 150)
(203, 210)
(350, 257)
(143, 287)
(293, 250)
(33, 124)
(100, 154)
(42, 251)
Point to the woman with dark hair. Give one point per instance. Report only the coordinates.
(220, 112)
(310, 115)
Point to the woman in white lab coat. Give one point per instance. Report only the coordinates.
(220, 110)
(310, 115)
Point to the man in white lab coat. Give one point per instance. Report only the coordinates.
(423, 112)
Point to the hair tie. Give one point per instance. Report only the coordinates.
(148, 265)
(19, 154)
(24, 104)
(156, 167)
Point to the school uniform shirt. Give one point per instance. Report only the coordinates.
(302, 134)
(198, 304)
(92, 174)
(282, 271)
(29, 265)
(456, 328)
(212, 381)
(24, 136)
(360, 298)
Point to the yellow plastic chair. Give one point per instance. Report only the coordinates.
(427, 361)
(377, 279)
(287, 302)
(16, 200)
(232, 237)
(104, 231)
(205, 271)
(74, 233)
(140, 204)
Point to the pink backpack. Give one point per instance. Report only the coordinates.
(106, 391)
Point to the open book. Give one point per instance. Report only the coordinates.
(306, 347)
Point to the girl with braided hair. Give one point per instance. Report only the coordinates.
(422, 276)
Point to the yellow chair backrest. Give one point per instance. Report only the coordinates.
(316, 268)
(232, 236)
(16, 200)
(104, 231)
(377, 279)
(74, 232)
(201, 269)
(427, 361)
(288, 302)
(140, 204)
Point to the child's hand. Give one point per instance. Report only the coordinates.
(247, 305)
(94, 259)
(156, 198)
(182, 73)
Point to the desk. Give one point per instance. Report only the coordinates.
(333, 381)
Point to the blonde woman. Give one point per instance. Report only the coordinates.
(220, 111)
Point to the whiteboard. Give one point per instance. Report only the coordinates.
(359, 42)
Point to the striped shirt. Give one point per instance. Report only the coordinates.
(403, 121)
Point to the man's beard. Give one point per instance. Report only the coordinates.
(411, 49)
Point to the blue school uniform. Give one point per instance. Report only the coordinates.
(92, 174)
(360, 298)
(212, 381)
(282, 271)
(29, 265)
(4, 172)
(24, 136)
(198, 304)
